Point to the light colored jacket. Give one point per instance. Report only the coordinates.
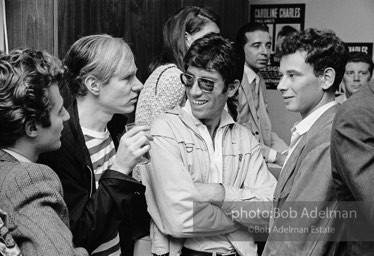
(179, 157)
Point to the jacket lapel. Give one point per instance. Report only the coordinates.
(245, 88)
(5, 157)
(289, 171)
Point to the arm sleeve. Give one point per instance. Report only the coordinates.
(256, 194)
(176, 206)
(33, 195)
(96, 215)
(352, 153)
(170, 92)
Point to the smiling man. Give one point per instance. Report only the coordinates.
(94, 161)
(200, 155)
(251, 99)
(312, 66)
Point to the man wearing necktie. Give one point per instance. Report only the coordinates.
(312, 67)
(251, 98)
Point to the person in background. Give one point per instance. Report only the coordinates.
(312, 67)
(106, 206)
(163, 89)
(358, 72)
(282, 34)
(251, 99)
(211, 161)
(31, 118)
(352, 154)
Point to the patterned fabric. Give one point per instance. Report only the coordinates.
(101, 149)
(102, 154)
(163, 90)
(8, 246)
(31, 195)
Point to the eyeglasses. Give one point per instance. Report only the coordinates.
(204, 83)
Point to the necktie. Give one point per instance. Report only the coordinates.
(255, 91)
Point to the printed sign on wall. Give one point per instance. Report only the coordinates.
(361, 47)
(281, 19)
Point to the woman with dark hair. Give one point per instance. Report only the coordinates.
(163, 88)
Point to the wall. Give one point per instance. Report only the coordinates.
(140, 22)
(32, 24)
(351, 20)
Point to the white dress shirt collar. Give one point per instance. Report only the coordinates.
(17, 156)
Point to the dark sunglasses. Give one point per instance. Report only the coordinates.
(204, 84)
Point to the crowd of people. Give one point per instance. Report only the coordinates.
(72, 184)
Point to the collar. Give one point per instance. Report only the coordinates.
(226, 118)
(304, 125)
(251, 75)
(17, 156)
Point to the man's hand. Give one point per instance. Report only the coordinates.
(132, 147)
(211, 192)
(280, 159)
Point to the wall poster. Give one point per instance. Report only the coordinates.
(281, 19)
(361, 47)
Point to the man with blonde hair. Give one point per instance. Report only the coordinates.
(106, 205)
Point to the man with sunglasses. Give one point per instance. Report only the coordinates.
(202, 161)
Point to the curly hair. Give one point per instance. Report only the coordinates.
(323, 50)
(25, 77)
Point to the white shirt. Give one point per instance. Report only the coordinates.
(305, 124)
(251, 75)
(215, 176)
(17, 156)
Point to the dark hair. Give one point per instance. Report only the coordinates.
(101, 56)
(286, 31)
(324, 49)
(241, 38)
(214, 52)
(190, 19)
(361, 57)
(25, 77)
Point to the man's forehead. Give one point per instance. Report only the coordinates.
(358, 64)
(257, 36)
(204, 72)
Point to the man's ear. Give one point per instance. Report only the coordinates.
(328, 78)
(233, 87)
(31, 129)
(92, 85)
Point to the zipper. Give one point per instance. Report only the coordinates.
(92, 181)
(223, 162)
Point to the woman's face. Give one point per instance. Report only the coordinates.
(210, 27)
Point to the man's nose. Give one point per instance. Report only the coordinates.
(282, 84)
(137, 86)
(195, 89)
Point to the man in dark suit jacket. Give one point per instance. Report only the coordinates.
(352, 158)
(106, 205)
(312, 67)
(31, 118)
